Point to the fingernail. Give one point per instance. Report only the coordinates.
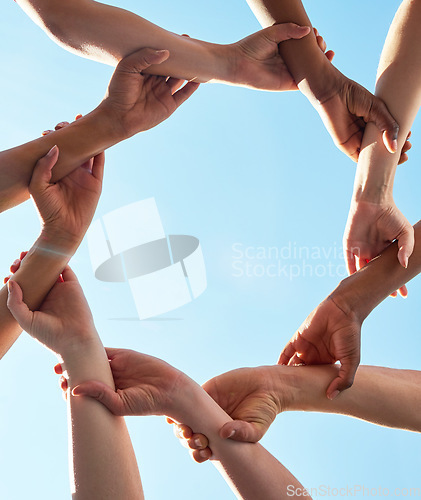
(52, 151)
(203, 453)
(197, 442)
(232, 434)
(159, 52)
(333, 395)
(395, 145)
(10, 286)
(46, 132)
(61, 124)
(16, 262)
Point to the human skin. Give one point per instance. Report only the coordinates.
(332, 332)
(103, 464)
(253, 397)
(374, 219)
(106, 34)
(134, 103)
(343, 105)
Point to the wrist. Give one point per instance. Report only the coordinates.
(353, 298)
(319, 82)
(55, 241)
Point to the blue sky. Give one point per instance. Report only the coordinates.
(237, 169)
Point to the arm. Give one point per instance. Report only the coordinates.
(61, 233)
(149, 386)
(104, 465)
(332, 331)
(134, 103)
(254, 396)
(340, 102)
(107, 34)
(374, 219)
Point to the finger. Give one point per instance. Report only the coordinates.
(174, 84)
(185, 92)
(345, 377)
(78, 117)
(330, 54)
(61, 125)
(406, 244)
(98, 166)
(41, 175)
(201, 456)
(17, 307)
(198, 442)
(238, 430)
(362, 262)
(142, 59)
(46, 132)
(403, 291)
(69, 275)
(23, 255)
(112, 352)
(406, 147)
(58, 369)
(296, 360)
(321, 43)
(286, 354)
(281, 32)
(350, 262)
(63, 383)
(394, 294)
(7, 278)
(102, 393)
(403, 158)
(169, 420)
(183, 431)
(15, 266)
(316, 32)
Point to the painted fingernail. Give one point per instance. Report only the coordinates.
(46, 132)
(333, 395)
(16, 262)
(52, 151)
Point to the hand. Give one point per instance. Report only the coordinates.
(345, 107)
(139, 102)
(197, 444)
(63, 317)
(370, 228)
(66, 208)
(257, 61)
(327, 335)
(144, 385)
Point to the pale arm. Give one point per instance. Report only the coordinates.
(374, 219)
(104, 464)
(107, 34)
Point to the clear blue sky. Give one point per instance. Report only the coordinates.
(236, 168)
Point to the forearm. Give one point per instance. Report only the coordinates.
(104, 464)
(77, 143)
(304, 59)
(399, 86)
(383, 396)
(249, 469)
(361, 292)
(107, 34)
(36, 276)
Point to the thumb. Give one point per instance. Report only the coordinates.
(142, 59)
(102, 393)
(41, 175)
(406, 244)
(238, 430)
(281, 32)
(384, 121)
(345, 377)
(17, 307)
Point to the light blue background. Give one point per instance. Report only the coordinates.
(231, 166)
